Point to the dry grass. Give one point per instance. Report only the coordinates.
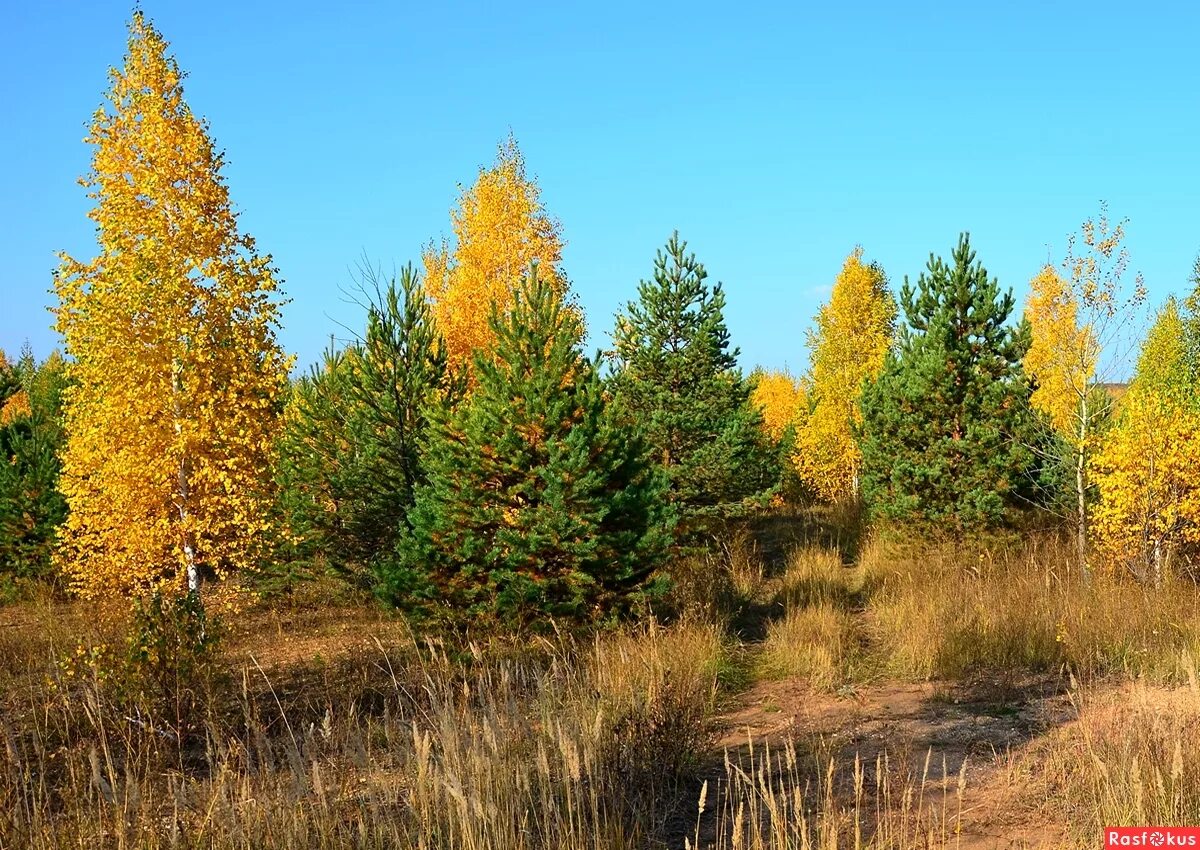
(1132, 757)
(817, 636)
(950, 612)
(563, 744)
(817, 643)
(814, 576)
(773, 799)
(340, 728)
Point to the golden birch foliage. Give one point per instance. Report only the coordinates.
(1148, 476)
(500, 227)
(15, 407)
(171, 327)
(1162, 366)
(852, 335)
(1062, 354)
(780, 398)
(1148, 469)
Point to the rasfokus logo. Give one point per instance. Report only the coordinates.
(1151, 836)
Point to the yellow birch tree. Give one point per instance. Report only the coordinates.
(171, 333)
(500, 227)
(852, 335)
(1062, 355)
(1147, 469)
(780, 398)
(1074, 319)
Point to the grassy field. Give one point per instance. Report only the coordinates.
(810, 690)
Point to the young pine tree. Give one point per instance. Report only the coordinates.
(31, 506)
(538, 500)
(944, 422)
(176, 376)
(678, 379)
(350, 454)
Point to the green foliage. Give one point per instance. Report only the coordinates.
(677, 378)
(538, 500)
(173, 646)
(350, 454)
(1191, 329)
(31, 435)
(946, 428)
(1048, 485)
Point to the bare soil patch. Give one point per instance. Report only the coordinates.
(928, 731)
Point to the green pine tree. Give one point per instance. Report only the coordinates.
(946, 424)
(677, 378)
(539, 502)
(350, 457)
(31, 435)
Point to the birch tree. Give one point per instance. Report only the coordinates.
(175, 372)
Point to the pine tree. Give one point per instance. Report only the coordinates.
(943, 424)
(171, 334)
(677, 377)
(350, 456)
(31, 506)
(538, 500)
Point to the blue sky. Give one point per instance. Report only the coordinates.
(774, 137)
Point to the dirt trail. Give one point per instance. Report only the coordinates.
(987, 726)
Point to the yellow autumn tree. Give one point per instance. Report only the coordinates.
(14, 400)
(780, 398)
(1062, 355)
(177, 375)
(500, 227)
(1148, 468)
(15, 408)
(1073, 319)
(851, 336)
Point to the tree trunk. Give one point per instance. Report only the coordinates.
(1081, 482)
(191, 570)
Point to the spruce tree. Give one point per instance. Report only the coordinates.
(351, 448)
(677, 377)
(538, 500)
(945, 425)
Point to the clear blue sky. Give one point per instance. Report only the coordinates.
(774, 137)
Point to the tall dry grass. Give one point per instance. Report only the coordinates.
(1131, 758)
(772, 798)
(301, 737)
(562, 744)
(817, 636)
(946, 612)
